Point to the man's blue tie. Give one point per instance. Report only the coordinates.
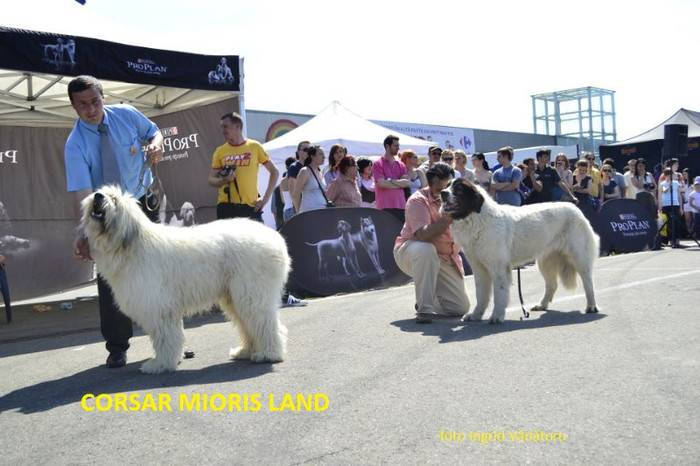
(110, 168)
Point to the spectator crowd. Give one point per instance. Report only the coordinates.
(388, 182)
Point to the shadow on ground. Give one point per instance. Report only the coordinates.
(453, 329)
(33, 332)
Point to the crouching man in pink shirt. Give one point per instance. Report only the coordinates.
(426, 251)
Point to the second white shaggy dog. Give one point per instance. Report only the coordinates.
(159, 274)
(496, 238)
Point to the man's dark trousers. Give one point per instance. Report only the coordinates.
(117, 327)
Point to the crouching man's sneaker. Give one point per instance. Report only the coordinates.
(293, 301)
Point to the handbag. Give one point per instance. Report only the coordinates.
(328, 203)
(367, 195)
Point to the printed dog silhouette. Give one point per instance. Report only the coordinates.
(342, 247)
(367, 238)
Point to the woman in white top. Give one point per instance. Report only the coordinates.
(641, 179)
(686, 189)
(308, 190)
(482, 175)
(415, 176)
(668, 195)
(461, 170)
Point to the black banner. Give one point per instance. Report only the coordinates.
(342, 250)
(627, 225)
(73, 55)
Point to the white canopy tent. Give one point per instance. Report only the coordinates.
(41, 100)
(338, 125)
(38, 98)
(179, 90)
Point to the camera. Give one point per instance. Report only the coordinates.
(226, 171)
(649, 186)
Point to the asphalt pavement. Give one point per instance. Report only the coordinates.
(364, 384)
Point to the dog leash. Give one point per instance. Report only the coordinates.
(156, 187)
(520, 293)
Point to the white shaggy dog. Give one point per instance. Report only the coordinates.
(159, 274)
(497, 238)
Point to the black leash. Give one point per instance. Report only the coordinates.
(156, 188)
(520, 293)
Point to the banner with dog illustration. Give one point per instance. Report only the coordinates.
(74, 55)
(347, 249)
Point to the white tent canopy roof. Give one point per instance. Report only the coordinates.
(337, 125)
(39, 99)
(681, 117)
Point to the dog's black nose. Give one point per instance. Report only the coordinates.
(445, 195)
(98, 201)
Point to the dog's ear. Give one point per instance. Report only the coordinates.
(473, 199)
(469, 198)
(127, 230)
(129, 235)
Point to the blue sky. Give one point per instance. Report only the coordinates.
(438, 62)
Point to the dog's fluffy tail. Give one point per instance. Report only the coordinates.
(567, 273)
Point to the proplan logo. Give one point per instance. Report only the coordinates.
(172, 131)
(145, 66)
(628, 217)
(629, 222)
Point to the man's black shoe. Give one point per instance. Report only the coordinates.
(116, 359)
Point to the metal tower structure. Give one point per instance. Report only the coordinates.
(586, 114)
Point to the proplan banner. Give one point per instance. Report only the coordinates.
(73, 55)
(37, 222)
(627, 225)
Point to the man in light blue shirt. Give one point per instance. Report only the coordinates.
(506, 180)
(88, 168)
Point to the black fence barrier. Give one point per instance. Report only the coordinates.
(342, 250)
(345, 249)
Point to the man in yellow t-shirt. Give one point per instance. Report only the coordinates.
(234, 170)
(594, 173)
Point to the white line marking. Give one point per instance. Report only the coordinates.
(612, 288)
(555, 300)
